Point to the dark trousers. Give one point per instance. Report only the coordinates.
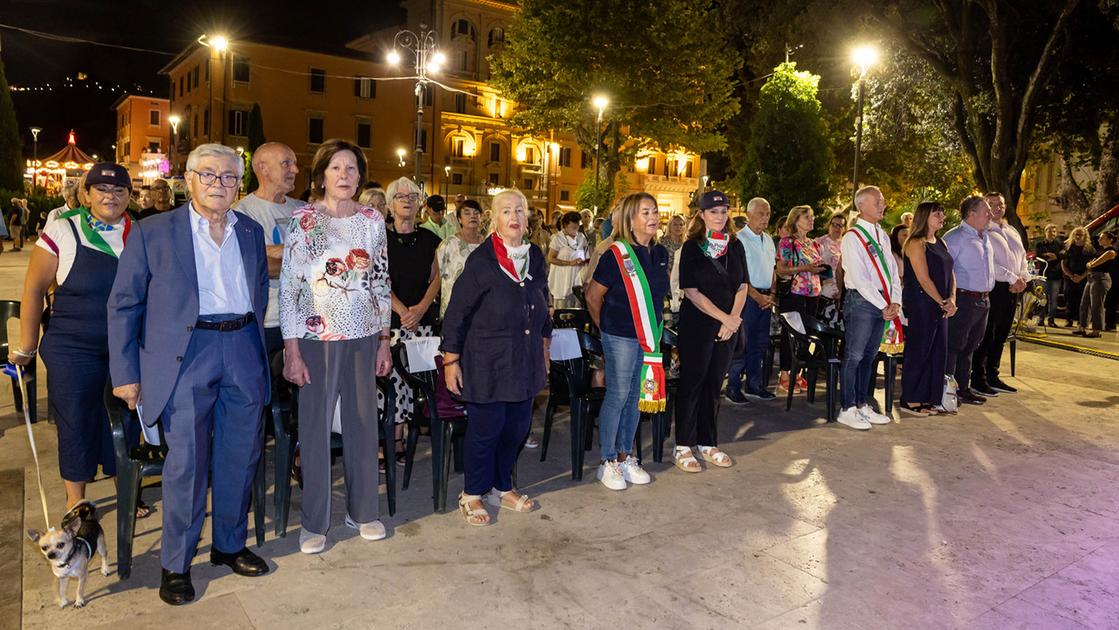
(988, 355)
(965, 331)
(703, 362)
(1074, 291)
(755, 328)
(273, 341)
(342, 374)
(494, 433)
(803, 304)
(212, 423)
(1111, 303)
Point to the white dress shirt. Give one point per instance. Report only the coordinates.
(859, 271)
(1010, 253)
(222, 287)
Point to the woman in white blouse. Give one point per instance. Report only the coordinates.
(334, 315)
(567, 255)
(453, 252)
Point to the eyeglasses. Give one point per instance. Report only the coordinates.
(227, 181)
(109, 189)
(838, 224)
(406, 197)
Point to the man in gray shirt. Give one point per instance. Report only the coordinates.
(275, 167)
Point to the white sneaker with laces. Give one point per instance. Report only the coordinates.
(873, 416)
(633, 472)
(373, 530)
(310, 542)
(611, 476)
(852, 418)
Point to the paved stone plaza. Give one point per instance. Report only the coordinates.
(1002, 517)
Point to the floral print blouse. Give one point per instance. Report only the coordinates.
(794, 253)
(334, 283)
(452, 254)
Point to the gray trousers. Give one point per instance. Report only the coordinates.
(339, 369)
(965, 332)
(1091, 303)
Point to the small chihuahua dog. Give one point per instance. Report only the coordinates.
(69, 549)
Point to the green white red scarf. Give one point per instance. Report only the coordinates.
(893, 339)
(715, 245)
(91, 228)
(653, 396)
(512, 260)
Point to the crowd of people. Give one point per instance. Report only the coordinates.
(183, 309)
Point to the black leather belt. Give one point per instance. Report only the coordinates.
(228, 325)
(978, 294)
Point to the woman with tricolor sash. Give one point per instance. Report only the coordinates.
(496, 333)
(79, 251)
(626, 301)
(714, 279)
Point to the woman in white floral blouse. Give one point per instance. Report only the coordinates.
(452, 253)
(334, 315)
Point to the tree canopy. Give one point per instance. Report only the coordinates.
(11, 162)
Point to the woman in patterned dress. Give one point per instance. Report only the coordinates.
(452, 253)
(799, 257)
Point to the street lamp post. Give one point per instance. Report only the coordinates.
(174, 120)
(35, 156)
(600, 102)
(428, 60)
(864, 57)
(220, 43)
(447, 180)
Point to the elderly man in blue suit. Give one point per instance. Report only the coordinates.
(186, 347)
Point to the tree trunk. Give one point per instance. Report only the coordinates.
(1107, 174)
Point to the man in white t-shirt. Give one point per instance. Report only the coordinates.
(275, 167)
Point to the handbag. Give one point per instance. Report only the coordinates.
(950, 402)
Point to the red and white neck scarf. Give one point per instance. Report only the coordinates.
(715, 245)
(512, 260)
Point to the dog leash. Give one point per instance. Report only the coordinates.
(34, 449)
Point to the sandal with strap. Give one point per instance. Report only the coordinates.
(478, 517)
(921, 411)
(684, 459)
(523, 503)
(713, 455)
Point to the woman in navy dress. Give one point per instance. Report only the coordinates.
(929, 299)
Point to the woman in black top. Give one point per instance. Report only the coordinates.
(714, 280)
(415, 281)
(1078, 251)
(495, 355)
(1098, 284)
(929, 297)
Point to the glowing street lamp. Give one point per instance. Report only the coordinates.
(400, 153)
(35, 131)
(863, 57)
(600, 101)
(428, 60)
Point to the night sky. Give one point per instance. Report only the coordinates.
(163, 27)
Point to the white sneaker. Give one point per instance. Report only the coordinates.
(633, 472)
(373, 530)
(852, 418)
(873, 416)
(310, 542)
(611, 476)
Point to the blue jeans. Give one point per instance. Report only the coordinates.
(1052, 288)
(755, 328)
(617, 420)
(863, 327)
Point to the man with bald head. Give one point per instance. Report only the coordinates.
(275, 167)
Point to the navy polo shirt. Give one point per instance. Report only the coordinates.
(617, 317)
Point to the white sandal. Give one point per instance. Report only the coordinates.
(685, 459)
(477, 517)
(715, 456)
(494, 499)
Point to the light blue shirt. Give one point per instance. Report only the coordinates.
(972, 256)
(761, 257)
(222, 286)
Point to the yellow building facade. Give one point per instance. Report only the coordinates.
(143, 136)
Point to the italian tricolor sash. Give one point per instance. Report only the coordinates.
(893, 339)
(653, 396)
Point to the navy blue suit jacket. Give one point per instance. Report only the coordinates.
(154, 302)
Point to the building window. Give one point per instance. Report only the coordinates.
(318, 80)
(497, 37)
(456, 179)
(458, 147)
(364, 134)
(196, 83)
(652, 166)
(315, 130)
(181, 86)
(195, 126)
(238, 122)
(241, 70)
(207, 70)
(188, 78)
(565, 156)
(205, 121)
(428, 95)
(529, 184)
(495, 151)
(423, 140)
(530, 155)
(666, 166)
(364, 87)
(462, 28)
(565, 195)
(460, 103)
(688, 169)
(153, 146)
(493, 179)
(153, 117)
(586, 160)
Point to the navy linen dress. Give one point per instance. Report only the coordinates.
(926, 338)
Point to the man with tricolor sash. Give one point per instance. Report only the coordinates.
(871, 307)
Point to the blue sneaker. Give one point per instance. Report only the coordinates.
(761, 394)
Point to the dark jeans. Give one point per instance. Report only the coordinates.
(803, 304)
(965, 331)
(1092, 303)
(1073, 293)
(1052, 289)
(755, 327)
(494, 434)
(988, 355)
(863, 327)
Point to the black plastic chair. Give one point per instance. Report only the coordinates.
(558, 388)
(577, 318)
(9, 309)
(134, 464)
(662, 421)
(570, 384)
(890, 364)
(284, 410)
(814, 349)
(442, 430)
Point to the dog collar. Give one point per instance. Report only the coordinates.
(70, 556)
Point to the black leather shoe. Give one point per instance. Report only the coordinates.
(735, 396)
(175, 588)
(971, 398)
(243, 562)
(984, 390)
(999, 385)
(761, 394)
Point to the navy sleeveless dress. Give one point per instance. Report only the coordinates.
(926, 337)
